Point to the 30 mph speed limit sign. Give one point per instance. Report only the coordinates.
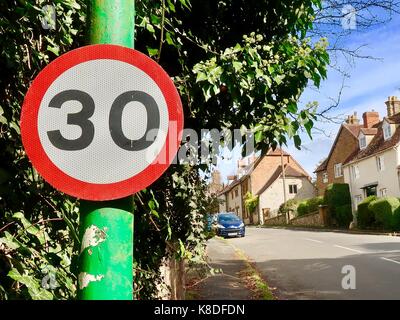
(102, 122)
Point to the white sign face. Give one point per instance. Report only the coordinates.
(102, 122)
(101, 161)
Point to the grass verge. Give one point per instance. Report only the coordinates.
(253, 279)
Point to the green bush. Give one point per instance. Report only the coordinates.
(302, 208)
(344, 215)
(337, 195)
(396, 219)
(383, 210)
(309, 205)
(314, 203)
(290, 205)
(365, 216)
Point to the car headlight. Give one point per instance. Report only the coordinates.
(220, 226)
(241, 225)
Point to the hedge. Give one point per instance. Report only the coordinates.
(338, 195)
(383, 210)
(309, 205)
(344, 215)
(365, 216)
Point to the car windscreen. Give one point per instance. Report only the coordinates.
(228, 218)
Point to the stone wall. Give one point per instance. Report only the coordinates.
(319, 218)
(311, 219)
(279, 220)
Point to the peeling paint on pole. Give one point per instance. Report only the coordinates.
(92, 237)
(105, 261)
(85, 278)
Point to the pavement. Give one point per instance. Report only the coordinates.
(226, 285)
(313, 264)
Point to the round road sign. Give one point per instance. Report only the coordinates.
(102, 122)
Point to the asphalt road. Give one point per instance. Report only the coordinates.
(309, 264)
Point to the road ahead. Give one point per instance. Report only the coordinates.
(308, 264)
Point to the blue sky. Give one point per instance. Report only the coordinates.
(369, 84)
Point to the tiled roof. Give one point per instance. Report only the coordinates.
(354, 129)
(289, 172)
(369, 131)
(378, 143)
(322, 166)
(277, 152)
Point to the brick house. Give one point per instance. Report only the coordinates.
(374, 167)
(345, 144)
(257, 177)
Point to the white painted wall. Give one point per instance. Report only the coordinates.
(273, 197)
(388, 178)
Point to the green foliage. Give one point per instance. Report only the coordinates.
(383, 209)
(396, 220)
(344, 215)
(290, 205)
(309, 205)
(365, 216)
(251, 202)
(302, 208)
(338, 195)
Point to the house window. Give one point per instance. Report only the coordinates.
(236, 192)
(232, 194)
(356, 172)
(362, 141)
(387, 132)
(357, 200)
(380, 163)
(325, 177)
(383, 192)
(293, 189)
(338, 170)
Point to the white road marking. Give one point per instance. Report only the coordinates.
(386, 259)
(313, 240)
(358, 251)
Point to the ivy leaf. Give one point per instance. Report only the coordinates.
(152, 52)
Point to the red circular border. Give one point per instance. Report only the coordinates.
(77, 188)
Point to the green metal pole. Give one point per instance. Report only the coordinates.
(106, 228)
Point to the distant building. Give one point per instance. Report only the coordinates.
(263, 176)
(345, 144)
(374, 167)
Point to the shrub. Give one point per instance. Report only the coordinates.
(344, 215)
(302, 208)
(314, 203)
(365, 216)
(309, 205)
(383, 210)
(290, 205)
(396, 219)
(337, 195)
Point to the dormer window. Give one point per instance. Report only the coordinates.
(362, 139)
(387, 132)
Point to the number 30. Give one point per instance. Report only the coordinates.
(81, 119)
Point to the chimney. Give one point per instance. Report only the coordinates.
(353, 119)
(370, 118)
(216, 177)
(393, 106)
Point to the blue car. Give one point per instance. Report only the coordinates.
(230, 225)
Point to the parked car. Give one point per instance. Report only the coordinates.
(229, 225)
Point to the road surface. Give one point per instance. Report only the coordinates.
(309, 264)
